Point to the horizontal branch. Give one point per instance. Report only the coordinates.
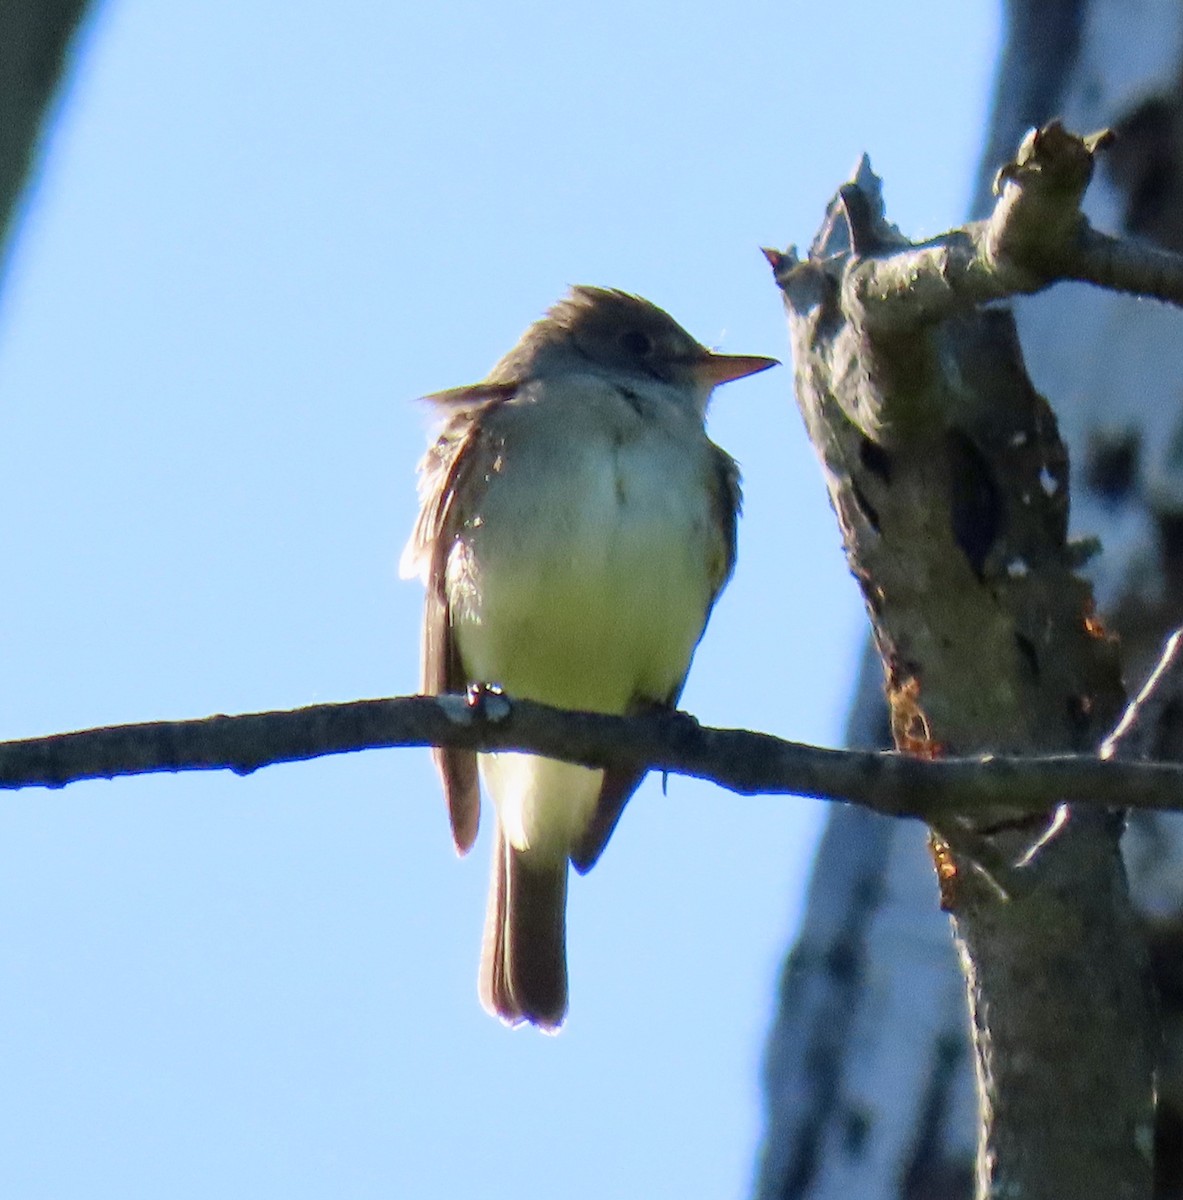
(736, 759)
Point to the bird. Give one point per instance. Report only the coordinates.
(576, 527)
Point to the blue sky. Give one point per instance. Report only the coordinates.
(258, 233)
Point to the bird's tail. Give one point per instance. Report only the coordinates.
(523, 974)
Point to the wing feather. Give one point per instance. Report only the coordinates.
(449, 463)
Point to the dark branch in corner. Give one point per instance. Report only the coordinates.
(744, 762)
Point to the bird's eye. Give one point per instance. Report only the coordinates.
(636, 343)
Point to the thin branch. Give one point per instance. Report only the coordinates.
(736, 759)
(1141, 724)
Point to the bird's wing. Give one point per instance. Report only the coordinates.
(452, 460)
(620, 783)
(728, 501)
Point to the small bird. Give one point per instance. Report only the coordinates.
(576, 527)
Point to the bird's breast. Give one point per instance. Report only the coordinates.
(584, 575)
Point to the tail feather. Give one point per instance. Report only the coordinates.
(491, 983)
(615, 792)
(523, 975)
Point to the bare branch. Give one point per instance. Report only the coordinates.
(1036, 236)
(741, 761)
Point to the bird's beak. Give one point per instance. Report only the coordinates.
(714, 369)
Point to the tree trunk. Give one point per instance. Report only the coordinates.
(869, 1075)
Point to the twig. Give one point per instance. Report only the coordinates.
(1135, 734)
